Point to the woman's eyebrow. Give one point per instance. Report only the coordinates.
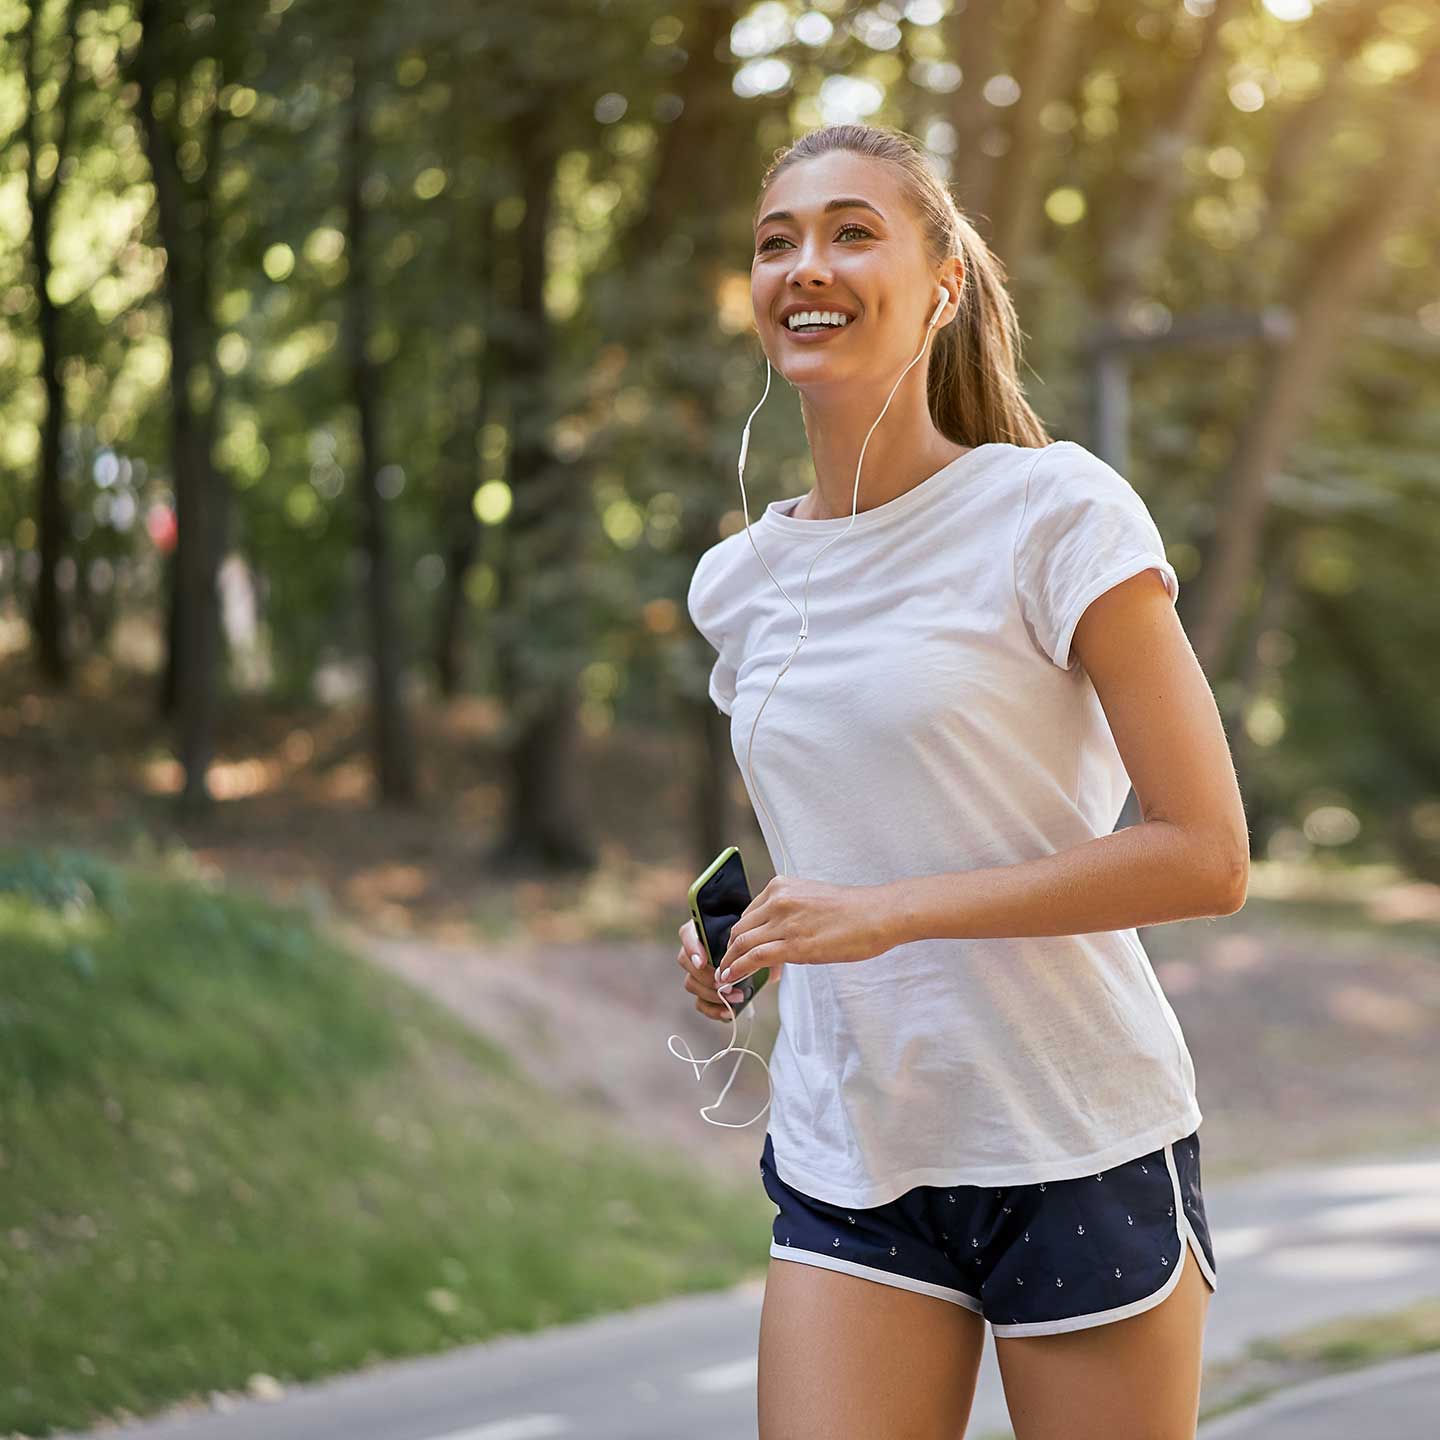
(847, 203)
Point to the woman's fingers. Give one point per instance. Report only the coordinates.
(700, 982)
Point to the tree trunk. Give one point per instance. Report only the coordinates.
(473, 260)
(544, 824)
(461, 532)
(394, 751)
(196, 612)
(53, 526)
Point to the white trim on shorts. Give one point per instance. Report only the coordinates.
(871, 1272)
(1183, 1232)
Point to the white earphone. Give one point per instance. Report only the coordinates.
(942, 298)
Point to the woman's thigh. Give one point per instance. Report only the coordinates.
(854, 1359)
(1133, 1379)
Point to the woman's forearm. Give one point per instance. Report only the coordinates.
(1145, 874)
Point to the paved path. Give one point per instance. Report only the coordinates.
(1293, 1248)
(1396, 1401)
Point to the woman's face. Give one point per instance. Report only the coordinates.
(866, 261)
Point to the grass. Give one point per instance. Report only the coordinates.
(1351, 1343)
(228, 1148)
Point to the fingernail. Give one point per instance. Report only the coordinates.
(696, 959)
(725, 974)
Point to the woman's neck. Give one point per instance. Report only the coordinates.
(903, 475)
(905, 449)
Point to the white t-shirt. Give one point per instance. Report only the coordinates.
(934, 720)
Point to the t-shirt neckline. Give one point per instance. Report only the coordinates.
(776, 518)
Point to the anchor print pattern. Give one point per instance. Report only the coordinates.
(1097, 1224)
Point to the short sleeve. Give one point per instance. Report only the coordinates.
(700, 602)
(1083, 529)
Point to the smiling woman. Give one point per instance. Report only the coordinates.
(969, 1024)
(852, 222)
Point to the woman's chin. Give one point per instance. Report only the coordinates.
(819, 372)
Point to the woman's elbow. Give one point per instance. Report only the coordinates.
(1235, 882)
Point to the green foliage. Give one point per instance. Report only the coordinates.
(62, 879)
(233, 1149)
(635, 293)
(181, 981)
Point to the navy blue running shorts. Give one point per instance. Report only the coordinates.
(1032, 1259)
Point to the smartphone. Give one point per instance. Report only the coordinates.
(717, 900)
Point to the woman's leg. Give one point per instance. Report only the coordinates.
(853, 1359)
(1132, 1379)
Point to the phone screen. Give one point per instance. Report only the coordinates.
(717, 901)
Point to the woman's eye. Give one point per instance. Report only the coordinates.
(842, 230)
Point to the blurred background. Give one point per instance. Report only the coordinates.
(371, 378)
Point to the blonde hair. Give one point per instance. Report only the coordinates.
(973, 388)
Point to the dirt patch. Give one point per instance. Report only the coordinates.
(590, 1023)
(1308, 1046)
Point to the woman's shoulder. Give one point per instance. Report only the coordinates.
(1065, 474)
(712, 582)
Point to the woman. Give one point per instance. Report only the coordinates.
(984, 1107)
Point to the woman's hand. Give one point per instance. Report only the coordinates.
(805, 922)
(700, 977)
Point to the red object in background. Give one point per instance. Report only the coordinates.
(160, 522)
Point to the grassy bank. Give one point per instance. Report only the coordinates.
(229, 1148)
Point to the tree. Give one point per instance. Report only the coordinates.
(173, 62)
(394, 748)
(53, 516)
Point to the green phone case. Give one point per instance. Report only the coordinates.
(751, 984)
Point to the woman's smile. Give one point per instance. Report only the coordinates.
(820, 335)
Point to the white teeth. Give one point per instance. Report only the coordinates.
(816, 317)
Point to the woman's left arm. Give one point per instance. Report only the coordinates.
(1189, 856)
